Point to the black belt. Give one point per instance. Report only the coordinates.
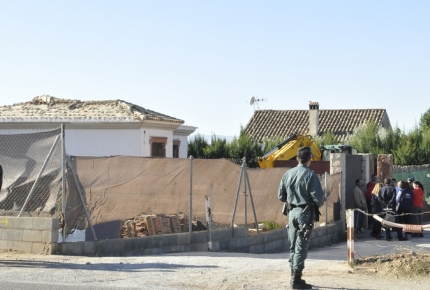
(302, 206)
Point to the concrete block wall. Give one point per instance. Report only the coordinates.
(36, 235)
(223, 240)
(327, 235)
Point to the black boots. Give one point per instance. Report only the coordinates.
(297, 282)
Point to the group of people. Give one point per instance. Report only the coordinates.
(404, 200)
(301, 191)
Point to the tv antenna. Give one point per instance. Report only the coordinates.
(256, 101)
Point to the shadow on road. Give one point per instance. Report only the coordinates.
(141, 267)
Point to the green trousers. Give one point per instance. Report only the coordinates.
(298, 245)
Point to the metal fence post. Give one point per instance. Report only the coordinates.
(350, 234)
(244, 192)
(190, 220)
(209, 221)
(63, 179)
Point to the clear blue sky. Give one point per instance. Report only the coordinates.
(202, 61)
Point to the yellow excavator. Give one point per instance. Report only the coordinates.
(287, 150)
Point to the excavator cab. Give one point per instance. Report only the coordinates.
(287, 150)
(327, 149)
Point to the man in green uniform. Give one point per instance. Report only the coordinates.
(301, 189)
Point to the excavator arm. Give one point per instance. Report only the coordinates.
(287, 150)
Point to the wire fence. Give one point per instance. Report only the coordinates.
(124, 196)
(134, 196)
(31, 166)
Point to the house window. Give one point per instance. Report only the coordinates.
(176, 144)
(158, 146)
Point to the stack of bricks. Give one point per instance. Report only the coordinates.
(140, 226)
(175, 225)
(183, 219)
(166, 225)
(151, 225)
(127, 229)
(158, 221)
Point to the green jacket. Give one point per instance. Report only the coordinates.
(300, 186)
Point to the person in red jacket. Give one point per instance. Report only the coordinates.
(418, 204)
(368, 194)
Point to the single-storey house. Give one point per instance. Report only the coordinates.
(100, 128)
(315, 122)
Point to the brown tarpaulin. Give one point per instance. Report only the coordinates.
(120, 188)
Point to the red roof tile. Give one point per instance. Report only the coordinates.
(282, 123)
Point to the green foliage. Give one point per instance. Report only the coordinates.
(239, 147)
(219, 148)
(425, 121)
(271, 225)
(364, 138)
(244, 146)
(327, 139)
(196, 146)
(412, 148)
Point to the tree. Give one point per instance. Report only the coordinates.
(413, 148)
(364, 138)
(244, 146)
(425, 121)
(219, 148)
(328, 139)
(196, 146)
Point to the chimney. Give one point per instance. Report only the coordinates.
(313, 118)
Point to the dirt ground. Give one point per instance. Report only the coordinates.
(398, 265)
(207, 270)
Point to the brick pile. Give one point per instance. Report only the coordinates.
(151, 225)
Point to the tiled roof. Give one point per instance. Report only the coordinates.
(49, 109)
(282, 123)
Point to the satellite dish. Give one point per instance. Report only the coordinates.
(255, 100)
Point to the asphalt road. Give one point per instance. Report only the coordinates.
(63, 272)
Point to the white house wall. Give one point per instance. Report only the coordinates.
(183, 147)
(95, 141)
(148, 133)
(103, 142)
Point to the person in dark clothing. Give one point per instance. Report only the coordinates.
(411, 183)
(404, 207)
(376, 209)
(387, 198)
(369, 187)
(301, 189)
(360, 203)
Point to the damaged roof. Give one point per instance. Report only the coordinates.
(46, 108)
(282, 123)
